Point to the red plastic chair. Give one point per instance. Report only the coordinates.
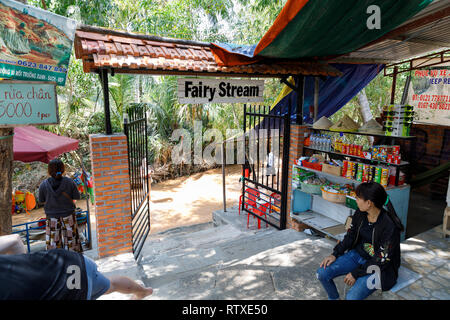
(252, 195)
(261, 211)
(275, 202)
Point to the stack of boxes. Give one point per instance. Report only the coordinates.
(397, 120)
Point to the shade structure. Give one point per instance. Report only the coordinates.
(321, 28)
(32, 144)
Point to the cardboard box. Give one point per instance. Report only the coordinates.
(334, 170)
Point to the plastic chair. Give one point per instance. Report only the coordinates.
(275, 202)
(261, 211)
(252, 195)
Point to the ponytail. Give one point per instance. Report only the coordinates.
(56, 169)
(393, 215)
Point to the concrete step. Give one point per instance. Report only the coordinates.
(215, 248)
(280, 265)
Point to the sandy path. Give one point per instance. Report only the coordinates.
(179, 202)
(191, 200)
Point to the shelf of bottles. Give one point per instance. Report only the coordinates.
(338, 146)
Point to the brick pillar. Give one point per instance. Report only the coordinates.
(295, 152)
(109, 159)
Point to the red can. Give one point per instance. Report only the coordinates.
(397, 159)
(396, 150)
(344, 168)
(390, 159)
(352, 149)
(345, 148)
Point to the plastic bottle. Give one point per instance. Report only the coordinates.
(328, 143)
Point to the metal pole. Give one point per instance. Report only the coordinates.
(394, 83)
(104, 81)
(284, 171)
(223, 179)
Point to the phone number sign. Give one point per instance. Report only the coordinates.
(28, 103)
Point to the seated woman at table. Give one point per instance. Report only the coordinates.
(58, 193)
(371, 244)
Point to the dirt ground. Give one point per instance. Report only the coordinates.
(180, 202)
(191, 200)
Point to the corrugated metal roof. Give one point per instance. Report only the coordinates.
(136, 53)
(409, 41)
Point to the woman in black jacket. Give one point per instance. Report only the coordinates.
(369, 254)
(58, 193)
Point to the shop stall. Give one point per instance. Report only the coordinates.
(338, 157)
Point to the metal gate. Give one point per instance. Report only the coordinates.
(135, 128)
(265, 183)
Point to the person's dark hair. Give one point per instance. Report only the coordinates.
(56, 169)
(375, 192)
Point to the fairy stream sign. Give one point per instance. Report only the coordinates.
(28, 103)
(220, 91)
(35, 44)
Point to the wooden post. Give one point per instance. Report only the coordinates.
(316, 98)
(394, 83)
(300, 96)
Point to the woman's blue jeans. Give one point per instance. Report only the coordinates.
(342, 266)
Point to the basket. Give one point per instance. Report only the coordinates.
(312, 165)
(311, 188)
(350, 202)
(334, 170)
(333, 197)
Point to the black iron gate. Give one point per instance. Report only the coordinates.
(135, 128)
(265, 183)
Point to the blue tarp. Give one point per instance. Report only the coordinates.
(334, 92)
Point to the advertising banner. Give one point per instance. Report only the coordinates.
(28, 103)
(34, 44)
(429, 93)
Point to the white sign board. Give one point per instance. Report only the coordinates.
(28, 103)
(220, 91)
(429, 93)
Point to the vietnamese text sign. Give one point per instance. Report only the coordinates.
(28, 103)
(34, 44)
(220, 91)
(429, 93)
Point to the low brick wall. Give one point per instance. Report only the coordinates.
(109, 159)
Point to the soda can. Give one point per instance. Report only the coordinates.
(397, 159)
(377, 177)
(359, 174)
(384, 177)
(345, 150)
(344, 168)
(366, 169)
(350, 169)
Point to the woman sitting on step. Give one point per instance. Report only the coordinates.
(369, 254)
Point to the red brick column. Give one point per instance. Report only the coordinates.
(295, 152)
(109, 161)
